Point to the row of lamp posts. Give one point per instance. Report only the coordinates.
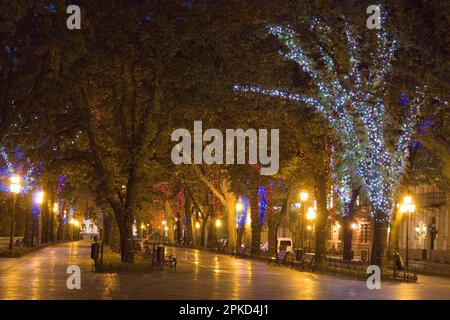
(407, 207)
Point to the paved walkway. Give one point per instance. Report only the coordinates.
(201, 275)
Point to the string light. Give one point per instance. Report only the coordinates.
(356, 112)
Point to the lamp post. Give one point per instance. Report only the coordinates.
(311, 216)
(303, 199)
(14, 187)
(407, 207)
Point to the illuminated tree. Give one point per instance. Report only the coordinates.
(353, 99)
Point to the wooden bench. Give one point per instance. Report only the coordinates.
(280, 258)
(347, 268)
(222, 246)
(305, 263)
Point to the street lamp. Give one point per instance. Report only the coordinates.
(239, 206)
(39, 197)
(15, 188)
(408, 207)
(303, 196)
(218, 223)
(311, 216)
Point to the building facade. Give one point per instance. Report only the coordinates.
(427, 229)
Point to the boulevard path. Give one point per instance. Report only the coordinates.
(200, 275)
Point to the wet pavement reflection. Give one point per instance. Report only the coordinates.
(200, 275)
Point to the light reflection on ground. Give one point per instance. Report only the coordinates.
(200, 275)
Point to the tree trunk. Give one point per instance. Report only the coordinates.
(114, 238)
(240, 233)
(347, 234)
(347, 231)
(203, 232)
(212, 235)
(60, 217)
(169, 220)
(44, 222)
(321, 219)
(189, 206)
(273, 222)
(256, 223)
(106, 236)
(178, 234)
(47, 214)
(230, 208)
(189, 235)
(273, 231)
(126, 237)
(51, 221)
(378, 256)
(393, 241)
(29, 219)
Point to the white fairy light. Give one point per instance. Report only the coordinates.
(357, 113)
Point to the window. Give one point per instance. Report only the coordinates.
(364, 233)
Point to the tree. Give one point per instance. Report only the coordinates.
(111, 114)
(353, 100)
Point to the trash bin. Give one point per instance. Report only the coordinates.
(298, 254)
(160, 252)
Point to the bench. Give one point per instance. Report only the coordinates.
(222, 246)
(280, 258)
(239, 252)
(148, 252)
(306, 262)
(346, 268)
(169, 261)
